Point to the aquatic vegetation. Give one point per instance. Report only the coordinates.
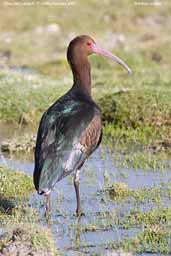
(25, 105)
(155, 231)
(153, 239)
(153, 236)
(142, 159)
(120, 190)
(160, 216)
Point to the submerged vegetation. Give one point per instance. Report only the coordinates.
(152, 226)
(154, 239)
(155, 236)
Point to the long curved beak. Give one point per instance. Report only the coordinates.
(98, 50)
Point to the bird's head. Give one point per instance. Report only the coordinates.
(84, 45)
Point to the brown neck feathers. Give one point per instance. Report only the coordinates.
(81, 72)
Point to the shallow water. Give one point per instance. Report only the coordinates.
(73, 236)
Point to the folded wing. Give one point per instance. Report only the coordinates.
(67, 135)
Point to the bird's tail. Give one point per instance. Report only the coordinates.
(44, 192)
(36, 179)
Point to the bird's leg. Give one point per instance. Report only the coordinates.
(76, 185)
(78, 234)
(48, 208)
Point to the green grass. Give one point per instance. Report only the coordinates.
(160, 216)
(155, 236)
(133, 201)
(143, 159)
(152, 225)
(153, 239)
(120, 192)
(20, 222)
(27, 96)
(136, 109)
(13, 184)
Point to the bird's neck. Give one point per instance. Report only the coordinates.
(82, 76)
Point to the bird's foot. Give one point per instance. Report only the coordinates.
(80, 213)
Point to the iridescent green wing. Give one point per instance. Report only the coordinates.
(58, 149)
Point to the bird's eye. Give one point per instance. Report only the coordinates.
(88, 43)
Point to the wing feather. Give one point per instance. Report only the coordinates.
(64, 140)
(91, 135)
